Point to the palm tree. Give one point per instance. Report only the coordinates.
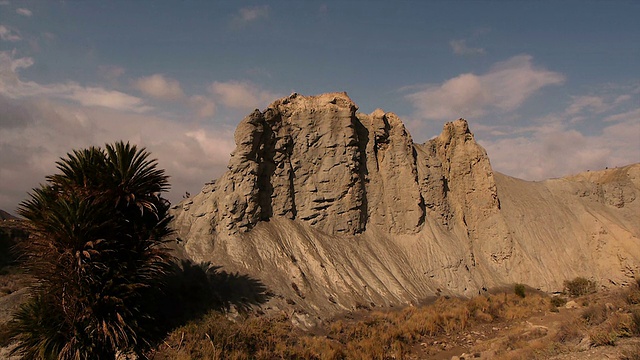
(97, 232)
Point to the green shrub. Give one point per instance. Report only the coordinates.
(519, 290)
(97, 230)
(579, 286)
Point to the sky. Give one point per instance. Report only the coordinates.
(550, 88)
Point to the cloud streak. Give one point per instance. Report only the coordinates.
(24, 12)
(253, 13)
(504, 88)
(241, 95)
(34, 133)
(12, 87)
(556, 152)
(42, 122)
(460, 47)
(551, 146)
(9, 34)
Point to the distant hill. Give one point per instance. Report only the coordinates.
(11, 232)
(6, 216)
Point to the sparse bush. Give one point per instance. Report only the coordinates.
(595, 314)
(380, 335)
(579, 286)
(558, 301)
(568, 332)
(519, 290)
(635, 322)
(617, 325)
(633, 293)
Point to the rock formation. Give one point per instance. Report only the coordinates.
(334, 209)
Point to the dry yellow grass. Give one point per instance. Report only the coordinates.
(396, 334)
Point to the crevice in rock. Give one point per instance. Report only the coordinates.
(266, 169)
(363, 172)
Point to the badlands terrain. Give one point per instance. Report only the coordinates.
(334, 236)
(333, 209)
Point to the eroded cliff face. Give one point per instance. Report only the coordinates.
(334, 208)
(316, 160)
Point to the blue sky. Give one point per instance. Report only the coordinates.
(549, 88)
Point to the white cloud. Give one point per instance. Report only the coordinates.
(551, 146)
(24, 12)
(504, 88)
(12, 87)
(587, 103)
(45, 130)
(584, 106)
(241, 95)
(95, 96)
(252, 13)
(622, 98)
(9, 64)
(42, 122)
(460, 47)
(9, 34)
(628, 116)
(160, 87)
(205, 107)
(555, 152)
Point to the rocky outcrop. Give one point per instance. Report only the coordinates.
(342, 209)
(317, 160)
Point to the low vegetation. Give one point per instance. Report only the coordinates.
(579, 286)
(104, 284)
(383, 334)
(95, 252)
(425, 331)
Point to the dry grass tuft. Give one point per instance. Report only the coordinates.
(631, 354)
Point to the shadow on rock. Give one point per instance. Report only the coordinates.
(192, 289)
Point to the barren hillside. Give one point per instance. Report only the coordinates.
(333, 210)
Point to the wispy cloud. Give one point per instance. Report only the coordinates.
(504, 88)
(551, 146)
(253, 13)
(44, 130)
(41, 122)
(24, 12)
(9, 34)
(628, 116)
(554, 151)
(12, 87)
(589, 103)
(241, 95)
(160, 87)
(460, 47)
(204, 106)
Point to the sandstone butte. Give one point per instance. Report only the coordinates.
(333, 209)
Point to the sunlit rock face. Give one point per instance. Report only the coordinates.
(335, 208)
